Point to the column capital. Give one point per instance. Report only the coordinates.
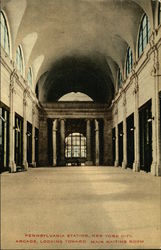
(12, 75)
(96, 125)
(33, 109)
(12, 87)
(55, 125)
(61, 120)
(136, 89)
(124, 99)
(24, 101)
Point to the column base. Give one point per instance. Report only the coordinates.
(124, 165)
(97, 163)
(25, 165)
(12, 167)
(155, 169)
(54, 164)
(89, 163)
(33, 164)
(136, 166)
(116, 164)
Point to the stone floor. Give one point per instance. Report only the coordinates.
(80, 208)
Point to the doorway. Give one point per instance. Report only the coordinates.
(120, 142)
(145, 125)
(36, 146)
(18, 140)
(29, 143)
(4, 139)
(113, 146)
(130, 140)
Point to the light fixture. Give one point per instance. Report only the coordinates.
(28, 134)
(121, 134)
(113, 138)
(17, 129)
(17, 126)
(132, 129)
(150, 119)
(2, 118)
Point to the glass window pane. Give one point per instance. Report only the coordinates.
(144, 34)
(144, 22)
(159, 14)
(75, 145)
(19, 60)
(4, 34)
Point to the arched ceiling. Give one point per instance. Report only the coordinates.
(94, 31)
(87, 74)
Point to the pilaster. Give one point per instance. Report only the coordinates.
(136, 164)
(12, 164)
(33, 135)
(156, 134)
(124, 163)
(25, 163)
(116, 141)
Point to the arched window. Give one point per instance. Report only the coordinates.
(75, 146)
(159, 13)
(29, 76)
(119, 78)
(144, 34)
(19, 60)
(4, 34)
(129, 61)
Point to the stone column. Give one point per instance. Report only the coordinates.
(54, 143)
(107, 135)
(33, 136)
(156, 134)
(136, 164)
(124, 163)
(43, 139)
(12, 164)
(62, 142)
(25, 163)
(88, 138)
(97, 142)
(116, 138)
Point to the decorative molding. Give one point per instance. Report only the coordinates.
(136, 89)
(124, 100)
(116, 110)
(152, 39)
(24, 102)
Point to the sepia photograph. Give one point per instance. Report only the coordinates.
(80, 124)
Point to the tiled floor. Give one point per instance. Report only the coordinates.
(80, 208)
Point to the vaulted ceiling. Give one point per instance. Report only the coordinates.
(75, 45)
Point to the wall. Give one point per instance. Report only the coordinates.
(145, 82)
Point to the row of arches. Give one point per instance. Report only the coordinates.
(6, 44)
(143, 39)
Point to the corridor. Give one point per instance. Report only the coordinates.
(80, 208)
